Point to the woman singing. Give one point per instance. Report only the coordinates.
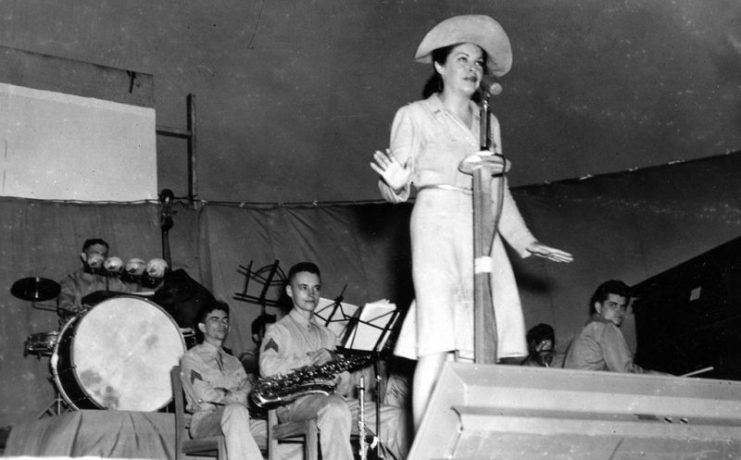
(429, 139)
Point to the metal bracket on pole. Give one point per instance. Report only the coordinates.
(190, 135)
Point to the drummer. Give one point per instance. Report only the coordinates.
(91, 278)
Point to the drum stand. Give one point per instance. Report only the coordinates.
(58, 406)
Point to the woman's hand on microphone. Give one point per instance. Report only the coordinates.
(391, 171)
(496, 162)
(501, 164)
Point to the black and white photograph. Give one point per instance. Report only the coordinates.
(370, 229)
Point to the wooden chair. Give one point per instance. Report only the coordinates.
(304, 431)
(214, 446)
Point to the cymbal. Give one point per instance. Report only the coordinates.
(35, 289)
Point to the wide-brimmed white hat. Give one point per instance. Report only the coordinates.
(478, 29)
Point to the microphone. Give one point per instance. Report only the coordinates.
(490, 86)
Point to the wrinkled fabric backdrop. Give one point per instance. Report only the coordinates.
(630, 225)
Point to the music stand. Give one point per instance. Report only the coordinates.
(266, 276)
(369, 327)
(335, 314)
(368, 331)
(269, 276)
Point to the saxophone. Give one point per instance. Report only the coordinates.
(281, 389)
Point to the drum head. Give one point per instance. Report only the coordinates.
(123, 350)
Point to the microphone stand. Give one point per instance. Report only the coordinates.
(377, 443)
(361, 420)
(375, 353)
(487, 171)
(376, 357)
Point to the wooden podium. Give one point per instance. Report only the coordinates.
(513, 412)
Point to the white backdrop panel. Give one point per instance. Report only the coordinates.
(64, 147)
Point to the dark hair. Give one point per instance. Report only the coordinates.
(259, 323)
(616, 287)
(209, 307)
(302, 267)
(434, 84)
(538, 333)
(203, 313)
(93, 241)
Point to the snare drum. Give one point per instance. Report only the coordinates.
(41, 344)
(118, 355)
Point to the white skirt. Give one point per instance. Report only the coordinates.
(441, 317)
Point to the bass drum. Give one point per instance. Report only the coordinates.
(118, 355)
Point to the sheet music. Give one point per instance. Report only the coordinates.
(334, 315)
(373, 327)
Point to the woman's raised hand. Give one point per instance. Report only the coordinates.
(391, 171)
(547, 252)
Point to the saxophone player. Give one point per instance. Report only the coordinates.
(216, 388)
(296, 341)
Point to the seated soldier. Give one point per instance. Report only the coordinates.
(296, 340)
(601, 346)
(216, 388)
(541, 343)
(91, 278)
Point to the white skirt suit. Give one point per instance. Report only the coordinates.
(430, 140)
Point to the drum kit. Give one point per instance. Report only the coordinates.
(35, 289)
(115, 355)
